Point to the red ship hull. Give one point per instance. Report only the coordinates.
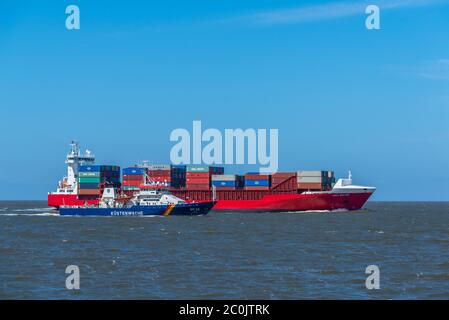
(58, 199)
(297, 202)
(268, 202)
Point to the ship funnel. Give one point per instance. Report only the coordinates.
(109, 193)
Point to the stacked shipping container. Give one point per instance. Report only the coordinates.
(178, 176)
(160, 173)
(255, 181)
(284, 181)
(133, 177)
(315, 180)
(227, 182)
(198, 177)
(93, 179)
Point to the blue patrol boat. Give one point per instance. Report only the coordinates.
(153, 201)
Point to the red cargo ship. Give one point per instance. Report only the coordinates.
(282, 196)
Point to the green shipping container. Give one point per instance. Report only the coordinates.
(127, 188)
(89, 180)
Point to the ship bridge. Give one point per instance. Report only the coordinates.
(75, 159)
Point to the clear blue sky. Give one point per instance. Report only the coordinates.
(341, 96)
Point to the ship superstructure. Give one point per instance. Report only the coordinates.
(67, 190)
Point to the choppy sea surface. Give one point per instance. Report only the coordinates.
(312, 255)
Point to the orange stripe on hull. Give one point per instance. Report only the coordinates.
(169, 209)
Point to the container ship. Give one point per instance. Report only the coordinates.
(303, 190)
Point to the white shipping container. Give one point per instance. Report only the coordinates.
(224, 177)
(159, 167)
(310, 179)
(310, 173)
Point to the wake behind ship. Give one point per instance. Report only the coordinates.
(283, 191)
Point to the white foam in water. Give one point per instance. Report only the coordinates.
(44, 214)
(340, 210)
(32, 210)
(319, 211)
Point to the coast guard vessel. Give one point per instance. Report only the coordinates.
(150, 201)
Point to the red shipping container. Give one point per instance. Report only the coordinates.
(159, 172)
(224, 188)
(198, 178)
(290, 184)
(197, 175)
(280, 180)
(160, 178)
(256, 188)
(133, 177)
(284, 181)
(197, 181)
(197, 187)
(283, 175)
(257, 177)
(131, 183)
(159, 175)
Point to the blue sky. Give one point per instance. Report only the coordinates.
(342, 96)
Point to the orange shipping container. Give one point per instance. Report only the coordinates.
(310, 186)
(89, 191)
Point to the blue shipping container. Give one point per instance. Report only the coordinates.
(89, 185)
(179, 166)
(223, 183)
(89, 169)
(134, 170)
(98, 168)
(257, 183)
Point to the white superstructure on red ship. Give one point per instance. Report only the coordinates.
(67, 191)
